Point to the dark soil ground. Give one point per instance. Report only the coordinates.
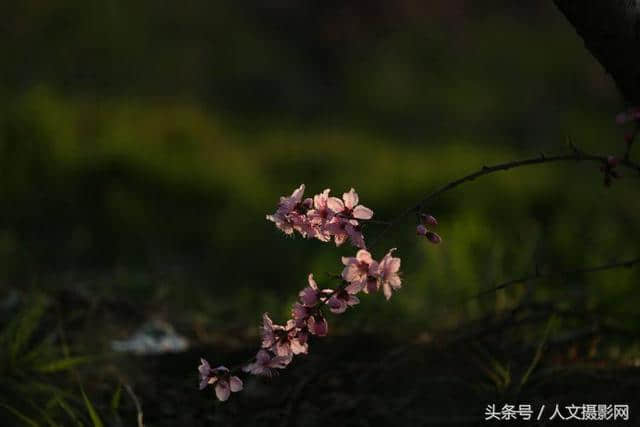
(438, 378)
(371, 381)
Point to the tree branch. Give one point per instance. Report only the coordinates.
(611, 32)
(576, 156)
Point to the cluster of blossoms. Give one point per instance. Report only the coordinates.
(322, 217)
(280, 343)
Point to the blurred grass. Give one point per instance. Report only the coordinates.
(175, 201)
(36, 368)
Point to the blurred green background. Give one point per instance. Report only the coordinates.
(143, 143)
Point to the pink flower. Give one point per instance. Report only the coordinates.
(388, 273)
(311, 295)
(291, 213)
(338, 229)
(355, 235)
(282, 340)
(266, 363)
(357, 269)
(282, 222)
(288, 204)
(300, 314)
(317, 325)
(220, 378)
(298, 338)
(301, 224)
(269, 331)
(321, 215)
(343, 229)
(341, 300)
(350, 207)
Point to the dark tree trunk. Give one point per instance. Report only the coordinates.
(611, 32)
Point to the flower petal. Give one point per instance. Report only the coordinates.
(350, 273)
(394, 281)
(222, 390)
(346, 260)
(204, 367)
(283, 348)
(362, 212)
(320, 200)
(235, 384)
(393, 265)
(355, 287)
(364, 255)
(337, 305)
(335, 204)
(350, 199)
(386, 288)
(312, 282)
(297, 193)
(299, 348)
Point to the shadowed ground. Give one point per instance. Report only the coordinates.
(369, 380)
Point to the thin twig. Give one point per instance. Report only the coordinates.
(537, 276)
(576, 155)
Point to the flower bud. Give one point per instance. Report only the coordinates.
(421, 230)
(433, 237)
(612, 161)
(428, 219)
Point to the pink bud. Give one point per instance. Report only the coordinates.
(421, 230)
(433, 237)
(628, 138)
(428, 219)
(612, 161)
